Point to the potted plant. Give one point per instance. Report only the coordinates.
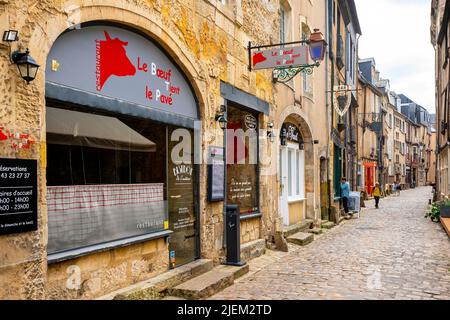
(434, 213)
(439, 209)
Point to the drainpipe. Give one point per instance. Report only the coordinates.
(327, 108)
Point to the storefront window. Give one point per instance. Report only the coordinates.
(242, 160)
(106, 178)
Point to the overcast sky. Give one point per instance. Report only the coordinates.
(397, 34)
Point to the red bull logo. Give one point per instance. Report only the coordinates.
(111, 60)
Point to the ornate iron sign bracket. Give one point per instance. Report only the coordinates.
(287, 74)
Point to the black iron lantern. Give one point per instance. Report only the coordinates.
(222, 119)
(27, 66)
(283, 136)
(270, 132)
(301, 145)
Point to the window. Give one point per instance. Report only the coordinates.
(307, 79)
(242, 160)
(111, 166)
(285, 33)
(282, 24)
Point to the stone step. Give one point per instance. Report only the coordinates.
(253, 249)
(328, 225)
(315, 231)
(208, 283)
(302, 226)
(301, 238)
(153, 289)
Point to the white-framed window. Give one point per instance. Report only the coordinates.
(307, 79)
(285, 22)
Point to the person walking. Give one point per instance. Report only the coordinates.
(377, 194)
(345, 194)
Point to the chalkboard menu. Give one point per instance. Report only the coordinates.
(18, 195)
(216, 176)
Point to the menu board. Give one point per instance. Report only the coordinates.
(18, 195)
(216, 174)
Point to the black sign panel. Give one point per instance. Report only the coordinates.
(18, 195)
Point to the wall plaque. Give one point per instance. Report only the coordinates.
(216, 177)
(18, 195)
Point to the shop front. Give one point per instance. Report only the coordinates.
(120, 171)
(370, 176)
(243, 174)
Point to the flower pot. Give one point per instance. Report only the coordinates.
(445, 211)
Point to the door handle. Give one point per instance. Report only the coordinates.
(176, 197)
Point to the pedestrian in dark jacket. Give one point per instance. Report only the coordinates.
(345, 194)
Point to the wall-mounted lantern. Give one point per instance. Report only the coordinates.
(11, 35)
(317, 46)
(283, 137)
(221, 117)
(270, 132)
(27, 66)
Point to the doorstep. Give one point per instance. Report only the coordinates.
(207, 284)
(293, 229)
(153, 288)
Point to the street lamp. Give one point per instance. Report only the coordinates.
(27, 66)
(317, 46)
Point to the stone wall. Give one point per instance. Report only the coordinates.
(98, 274)
(207, 40)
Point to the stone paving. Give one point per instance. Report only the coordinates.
(390, 253)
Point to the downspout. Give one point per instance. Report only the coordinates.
(327, 108)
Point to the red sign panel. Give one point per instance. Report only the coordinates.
(280, 57)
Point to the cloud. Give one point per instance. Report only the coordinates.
(397, 34)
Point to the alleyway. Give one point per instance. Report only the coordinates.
(390, 253)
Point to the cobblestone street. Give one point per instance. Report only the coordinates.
(390, 253)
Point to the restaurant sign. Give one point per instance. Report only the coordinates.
(281, 57)
(120, 64)
(292, 132)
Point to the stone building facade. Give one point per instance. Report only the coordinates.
(343, 30)
(439, 33)
(370, 127)
(300, 105)
(206, 43)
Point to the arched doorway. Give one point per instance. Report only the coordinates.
(296, 167)
(117, 108)
(292, 174)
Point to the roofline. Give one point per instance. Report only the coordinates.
(444, 23)
(354, 14)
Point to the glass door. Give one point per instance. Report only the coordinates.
(183, 246)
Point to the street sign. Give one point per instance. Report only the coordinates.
(281, 57)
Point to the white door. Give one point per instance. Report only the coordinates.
(292, 176)
(284, 204)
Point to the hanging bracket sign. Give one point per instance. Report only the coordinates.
(280, 57)
(342, 97)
